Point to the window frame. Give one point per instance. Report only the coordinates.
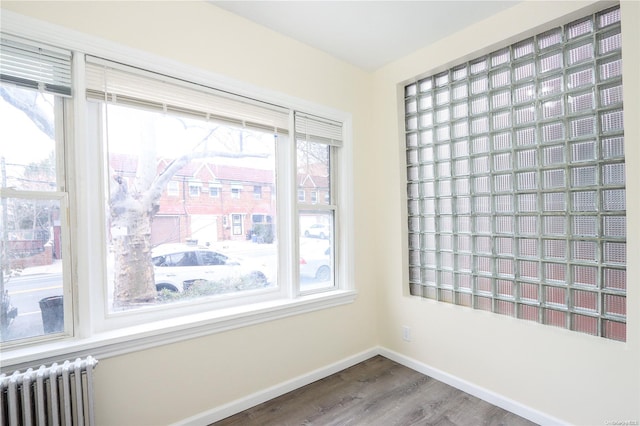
(62, 106)
(195, 188)
(62, 197)
(215, 188)
(90, 337)
(173, 188)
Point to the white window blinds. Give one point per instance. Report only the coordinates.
(320, 130)
(117, 83)
(31, 65)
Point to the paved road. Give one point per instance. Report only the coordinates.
(26, 293)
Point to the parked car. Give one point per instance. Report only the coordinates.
(178, 266)
(315, 260)
(318, 230)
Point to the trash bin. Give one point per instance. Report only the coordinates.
(52, 310)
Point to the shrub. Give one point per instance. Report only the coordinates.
(201, 288)
(264, 232)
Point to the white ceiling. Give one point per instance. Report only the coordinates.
(368, 34)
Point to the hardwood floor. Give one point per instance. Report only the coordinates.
(375, 392)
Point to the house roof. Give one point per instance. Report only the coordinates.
(127, 165)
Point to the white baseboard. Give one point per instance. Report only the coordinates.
(472, 389)
(254, 399)
(234, 407)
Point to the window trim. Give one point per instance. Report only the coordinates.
(107, 343)
(173, 188)
(194, 189)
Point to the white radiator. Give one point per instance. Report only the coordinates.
(61, 394)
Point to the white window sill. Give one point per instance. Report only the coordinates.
(125, 340)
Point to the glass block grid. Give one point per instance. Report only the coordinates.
(516, 180)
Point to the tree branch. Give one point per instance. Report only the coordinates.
(25, 101)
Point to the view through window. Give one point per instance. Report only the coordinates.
(177, 242)
(191, 184)
(316, 142)
(35, 256)
(33, 214)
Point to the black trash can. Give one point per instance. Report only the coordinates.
(52, 310)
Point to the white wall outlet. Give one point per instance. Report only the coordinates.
(406, 333)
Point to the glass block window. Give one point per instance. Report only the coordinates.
(516, 180)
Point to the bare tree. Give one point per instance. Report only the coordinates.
(26, 101)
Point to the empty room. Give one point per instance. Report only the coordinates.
(207, 206)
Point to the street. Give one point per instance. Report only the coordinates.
(26, 292)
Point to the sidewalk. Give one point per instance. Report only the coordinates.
(54, 268)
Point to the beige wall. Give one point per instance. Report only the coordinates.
(176, 381)
(573, 377)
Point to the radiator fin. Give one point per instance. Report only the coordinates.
(60, 394)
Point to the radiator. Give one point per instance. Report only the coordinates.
(60, 394)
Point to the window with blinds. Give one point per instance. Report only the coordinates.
(35, 250)
(158, 130)
(121, 84)
(516, 180)
(316, 142)
(173, 194)
(215, 148)
(36, 66)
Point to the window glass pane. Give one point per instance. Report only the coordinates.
(316, 250)
(316, 225)
(28, 139)
(204, 235)
(313, 172)
(33, 246)
(31, 260)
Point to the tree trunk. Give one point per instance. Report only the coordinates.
(133, 269)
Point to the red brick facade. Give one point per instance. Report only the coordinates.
(211, 202)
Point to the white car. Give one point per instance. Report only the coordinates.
(178, 266)
(318, 230)
(315, 260)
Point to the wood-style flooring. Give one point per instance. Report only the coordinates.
(375, 392)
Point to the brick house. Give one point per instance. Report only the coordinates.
(209, 202)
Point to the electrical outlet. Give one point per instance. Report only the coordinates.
(406, 333)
